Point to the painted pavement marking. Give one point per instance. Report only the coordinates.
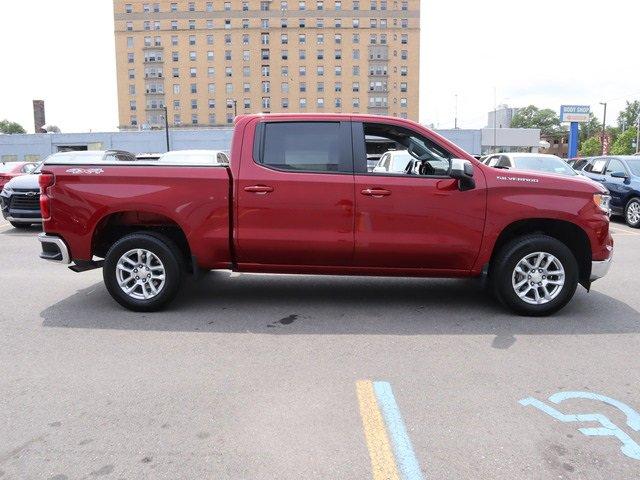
(390, 449)
(629, 447)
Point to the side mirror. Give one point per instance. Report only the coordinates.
(619, 175)
(462, 170)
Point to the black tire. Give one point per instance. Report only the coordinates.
(636, 204)
(162, 247)
(21, 226)
(508, 258)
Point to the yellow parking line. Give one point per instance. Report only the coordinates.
(383, 464)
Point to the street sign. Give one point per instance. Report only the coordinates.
(575, 113)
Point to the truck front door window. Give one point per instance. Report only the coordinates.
(423, 157)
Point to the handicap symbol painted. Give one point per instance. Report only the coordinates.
(629, 447)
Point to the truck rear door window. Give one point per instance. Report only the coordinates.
(305, 147)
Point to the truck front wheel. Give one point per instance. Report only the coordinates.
(142, 271)
(535, 275)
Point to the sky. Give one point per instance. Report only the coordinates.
(515, 52)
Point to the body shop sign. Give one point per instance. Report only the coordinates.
(575, 113)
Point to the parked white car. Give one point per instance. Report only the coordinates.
(535, 162)
(194, 157)
(393, 162)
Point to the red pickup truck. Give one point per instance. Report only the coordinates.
(298, 197)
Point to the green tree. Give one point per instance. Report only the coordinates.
(628, 117)
(591, 147)
(624, 144)
(546, 120)
(11, 127)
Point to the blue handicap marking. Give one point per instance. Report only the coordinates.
(629, 447)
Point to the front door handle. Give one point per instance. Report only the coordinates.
(259, 189)
(375, 192)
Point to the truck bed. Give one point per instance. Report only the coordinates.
(88, 197)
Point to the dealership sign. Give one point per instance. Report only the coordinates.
(575, 113)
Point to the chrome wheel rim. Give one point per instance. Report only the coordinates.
(538, 278)
(633, 213)
(140, 274)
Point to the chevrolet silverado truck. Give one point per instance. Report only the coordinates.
(297, 198)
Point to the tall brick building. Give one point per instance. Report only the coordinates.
(208, 60)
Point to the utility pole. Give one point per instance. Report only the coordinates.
(235, 108)
(495, 119)
(638, 135)
(604, 125)
(166, 126)
(455, 121)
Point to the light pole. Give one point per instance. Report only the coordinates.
(235, 108)
(604, 125)
(166, 126)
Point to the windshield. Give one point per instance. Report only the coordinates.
(544, 164)
(634, 165)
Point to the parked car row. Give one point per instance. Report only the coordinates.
(621, 176)
(20, 193)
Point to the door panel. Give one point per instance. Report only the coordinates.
(422, 223)
(618, 188)
(419, 221)
(292, 217)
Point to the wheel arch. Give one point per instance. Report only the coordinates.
(115, 225)
(566, 232)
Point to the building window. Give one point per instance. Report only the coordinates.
(132, 105)
(337, 38)
(355, 87)
(211, 72)
(174, 40)
(246, 87)
(246, 72)
(302, 87)
(320, 102)
(192, 6)
(176, 104)
(129, 26)
(283, 23)
(302, 71)
(355, 102)
(192, 24)
(264, 54)
(284, 87)
(194, 104)
(132, 89)
(320, 55)
(209, 39)
(227, 24)
(338, 71)
(403, 102)
(132, 74)
(285, 103)
(174, 7)
(302, 54)
(227, 55)
(228, 72)
(228, 88)
(320, 87)
(338, 23)
(303, 103)
(337, 54)
(302, 23)
(194, 88)
(129, 42)
(337, 5)
(246, 55)
(192, 39)
(192, 56)
(176, 88)
(194, 119)
(320, 39)
(209, 7)
(245, 23)
(338, 103)
(264, 6)
(356, 23)
(265, 70)
(128, 8)
(193, 72)
(130, 57)
(175, 72)
(320, 71)
(210, 55)
(302, 5)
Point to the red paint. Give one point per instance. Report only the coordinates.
(15, 170)
(326, 223)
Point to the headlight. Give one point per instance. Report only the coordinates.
(602, 201)
(6, 191)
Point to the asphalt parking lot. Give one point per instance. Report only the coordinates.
(261, 377)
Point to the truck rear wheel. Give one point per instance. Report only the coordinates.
(143, 271)
(535, 275)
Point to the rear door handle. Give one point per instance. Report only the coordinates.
(375, 192)
(259, 189)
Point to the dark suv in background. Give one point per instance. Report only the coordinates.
(621, 175)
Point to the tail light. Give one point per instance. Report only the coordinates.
(45, 180)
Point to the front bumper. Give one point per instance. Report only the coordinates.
(599, 268)
(54, 249)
